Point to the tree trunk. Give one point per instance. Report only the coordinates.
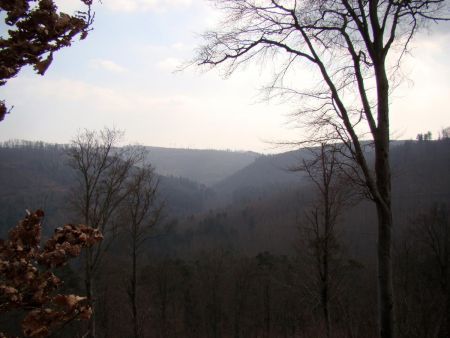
(385, 286)
(325, 290)
(326, 313)
(385, 224)
(325, 305)
(133, 295)
(326, 249)
(237, 320)
(446, 272)
(447, 311)
(383, 199)
(89, 285)
(267, 309)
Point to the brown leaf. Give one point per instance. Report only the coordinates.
(42, 66)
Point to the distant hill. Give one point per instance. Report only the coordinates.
(270, 173)
(203, 166)
(268, 203)
(265, 174)
(265, 194)
(36, 175)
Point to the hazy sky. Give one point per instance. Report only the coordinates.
(122, 76)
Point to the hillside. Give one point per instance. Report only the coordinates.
(269, 203)
(36, 175)
(203, 166)
(271, 173)
(265, 175)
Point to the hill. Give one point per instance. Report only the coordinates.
(268, 203)
(267, 174)
(203, 166)
(36, 175)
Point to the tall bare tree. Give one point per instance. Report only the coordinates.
(354, 48)
(102, 171)
(141, 212)
(319, 226)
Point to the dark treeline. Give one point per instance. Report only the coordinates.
(221, 293)
(248, 268)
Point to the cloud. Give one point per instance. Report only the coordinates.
(107, 65)
(169, 64)
(178, 46)
(110, 99)
(145, 5)
(70, 6)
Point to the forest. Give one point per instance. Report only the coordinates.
(235, 260)
(345, 235)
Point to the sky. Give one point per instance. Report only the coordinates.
(122, 76)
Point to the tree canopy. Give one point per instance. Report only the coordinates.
(346, 42)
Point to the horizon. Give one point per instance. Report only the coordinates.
(287, 148)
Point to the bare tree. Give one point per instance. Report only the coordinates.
(354, 48)
(324, 170)
(141, 213)
(102, 172)
(432, 237)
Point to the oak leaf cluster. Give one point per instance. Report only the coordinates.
(26, 279)
(35, 30)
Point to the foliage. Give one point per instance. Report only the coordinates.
(35, 31)
(445, 133)
(424, 137)
(27, 281)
